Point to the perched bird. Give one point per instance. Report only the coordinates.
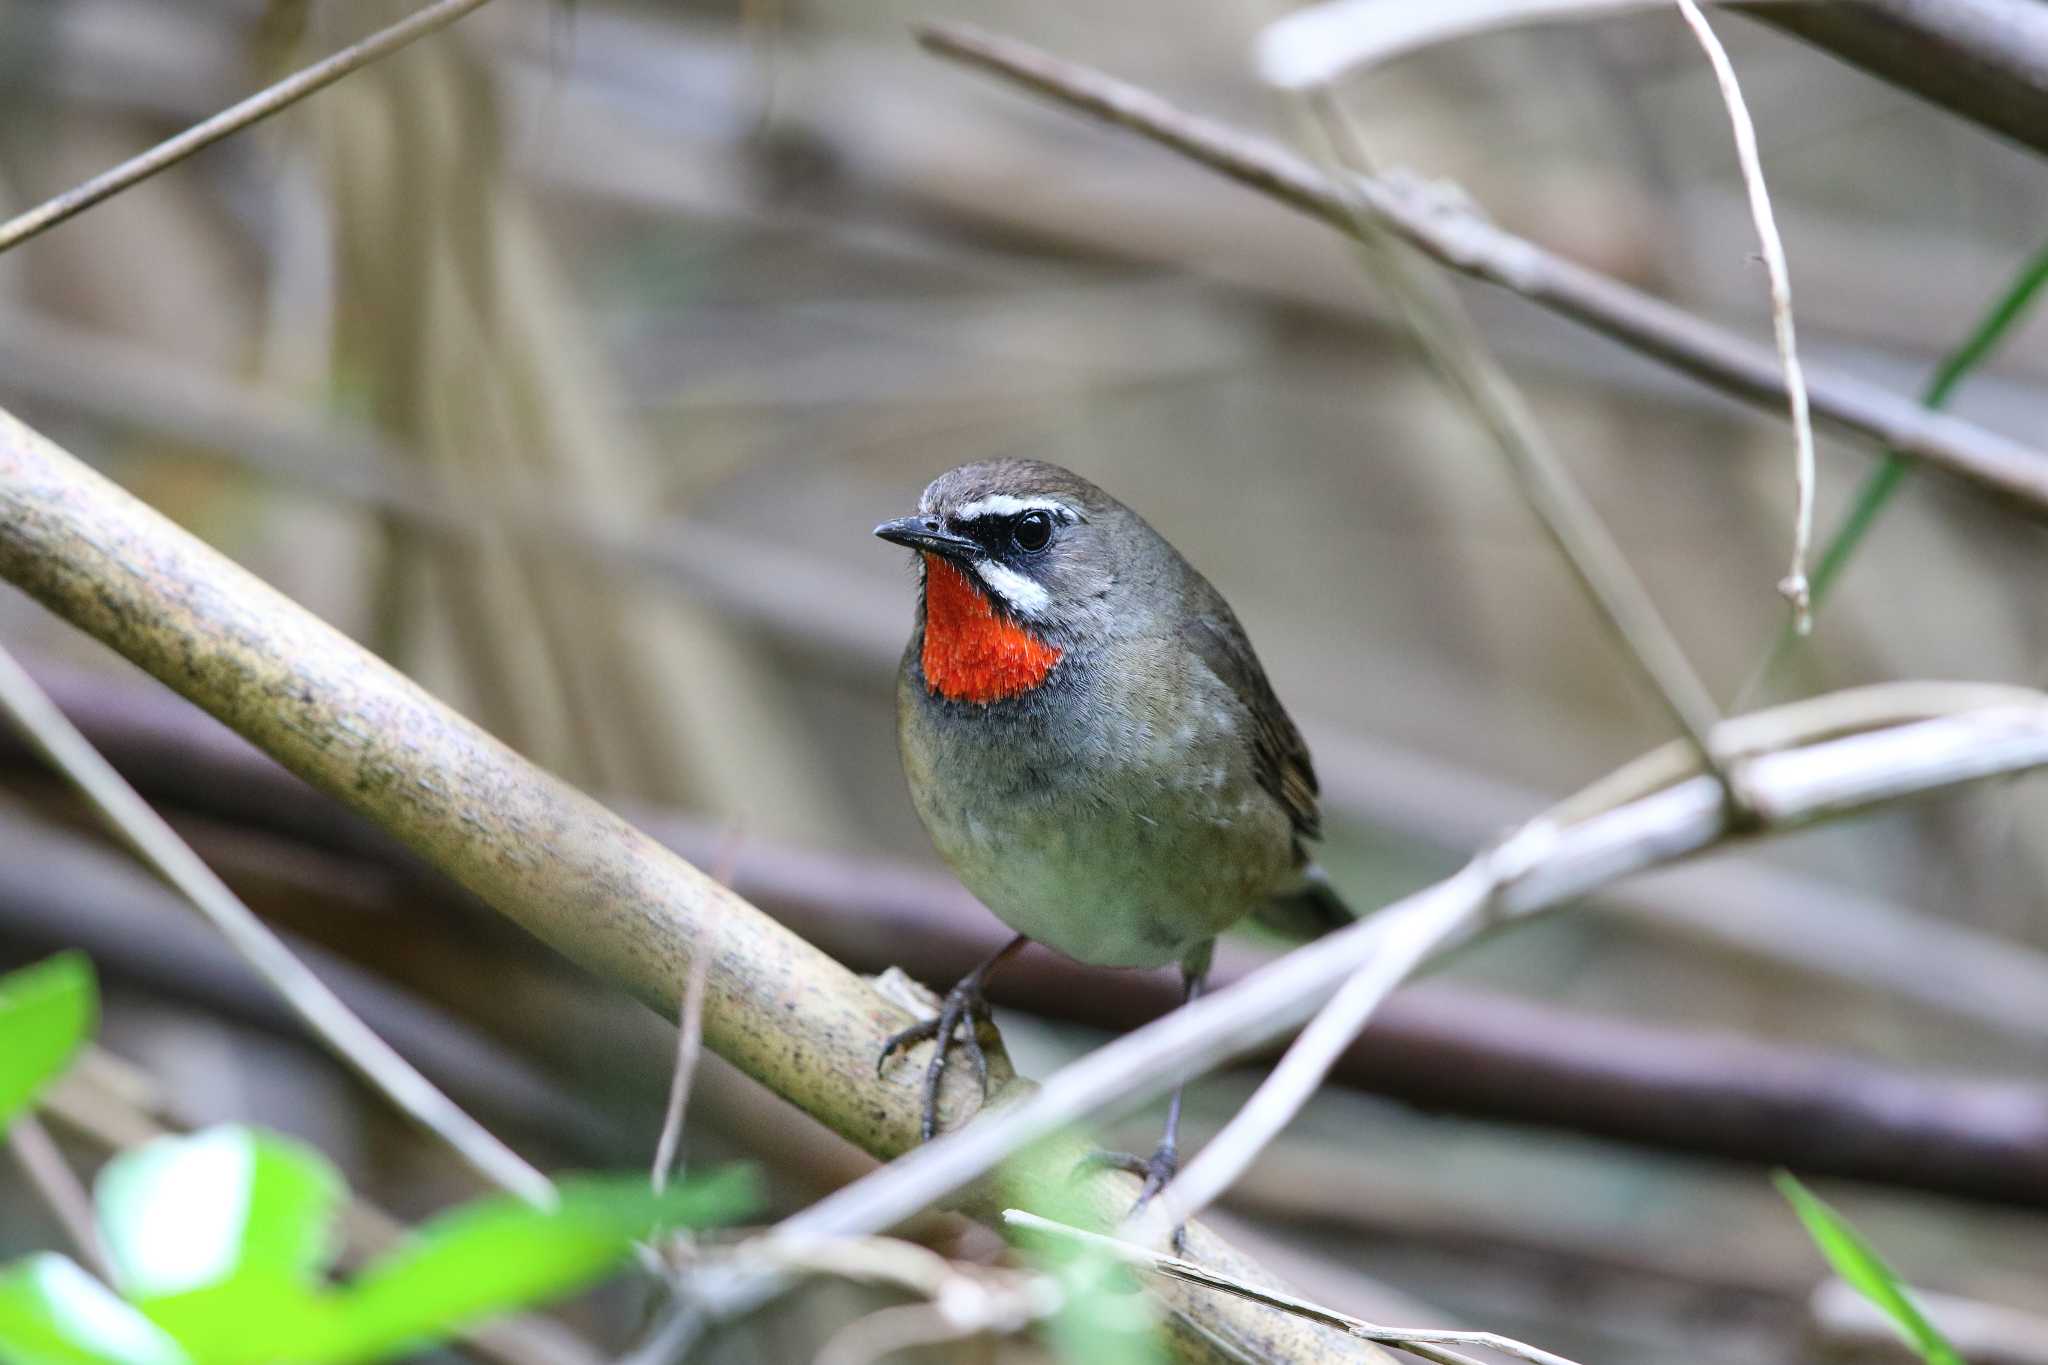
(1091, 743)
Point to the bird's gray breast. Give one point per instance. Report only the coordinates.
(1112, 813)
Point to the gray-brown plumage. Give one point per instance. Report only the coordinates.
(1088, 735)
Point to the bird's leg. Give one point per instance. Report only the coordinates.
(965, 1002)
(1164, 1163)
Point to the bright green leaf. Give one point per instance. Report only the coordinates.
(46, 1011)
(1858, 1263)
(499, 1254)
(187, 1213)
(257, 1318)
(222, 1239)
(53, 1313)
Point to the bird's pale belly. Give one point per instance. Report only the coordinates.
(1109, 881)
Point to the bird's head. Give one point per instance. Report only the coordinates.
(1023, 562)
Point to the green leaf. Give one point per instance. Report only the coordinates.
(185, 1213)
(222, 1238)
(53, 1313)
(46, 1011)
(1855, 1261)
(500, 1254)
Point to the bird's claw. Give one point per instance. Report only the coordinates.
(964, 1003)
(1154, 1174)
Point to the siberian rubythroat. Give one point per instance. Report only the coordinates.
(1091, 742)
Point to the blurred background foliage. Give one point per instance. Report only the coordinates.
(568, 357)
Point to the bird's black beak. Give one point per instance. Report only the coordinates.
(925, 533)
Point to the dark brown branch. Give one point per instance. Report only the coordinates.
(1986, 60)
(1447, 227)
(1458, 1050)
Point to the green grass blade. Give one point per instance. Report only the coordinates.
(1883, 483)
(1855, 1261)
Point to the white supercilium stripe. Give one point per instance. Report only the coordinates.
(1004, 505)
(1024, 596)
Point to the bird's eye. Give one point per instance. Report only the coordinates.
(1034, 531)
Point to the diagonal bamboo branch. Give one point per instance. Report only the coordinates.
(527, 844)
(1447, 227)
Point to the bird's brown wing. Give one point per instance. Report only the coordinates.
(1279, 757)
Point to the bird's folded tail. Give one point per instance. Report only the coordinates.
(1314, 910)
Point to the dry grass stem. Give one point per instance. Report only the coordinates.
(231, 120)
(145, 832)
(690, 1032)
(689, 1047)
(1795, 587)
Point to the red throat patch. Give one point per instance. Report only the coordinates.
(971, 653)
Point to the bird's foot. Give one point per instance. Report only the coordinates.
(963, 1004)
(1154, 1174)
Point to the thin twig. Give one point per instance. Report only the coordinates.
(690, 1033)
(231, 120)
(1458, 235)
(55, 1181)
(1795, 586)
(1407, 1338)
(689, 1048)
(156, 844)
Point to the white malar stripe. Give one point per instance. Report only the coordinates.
(1024, 596)
(1005, 505)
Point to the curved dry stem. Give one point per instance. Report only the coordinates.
(1795, 587)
